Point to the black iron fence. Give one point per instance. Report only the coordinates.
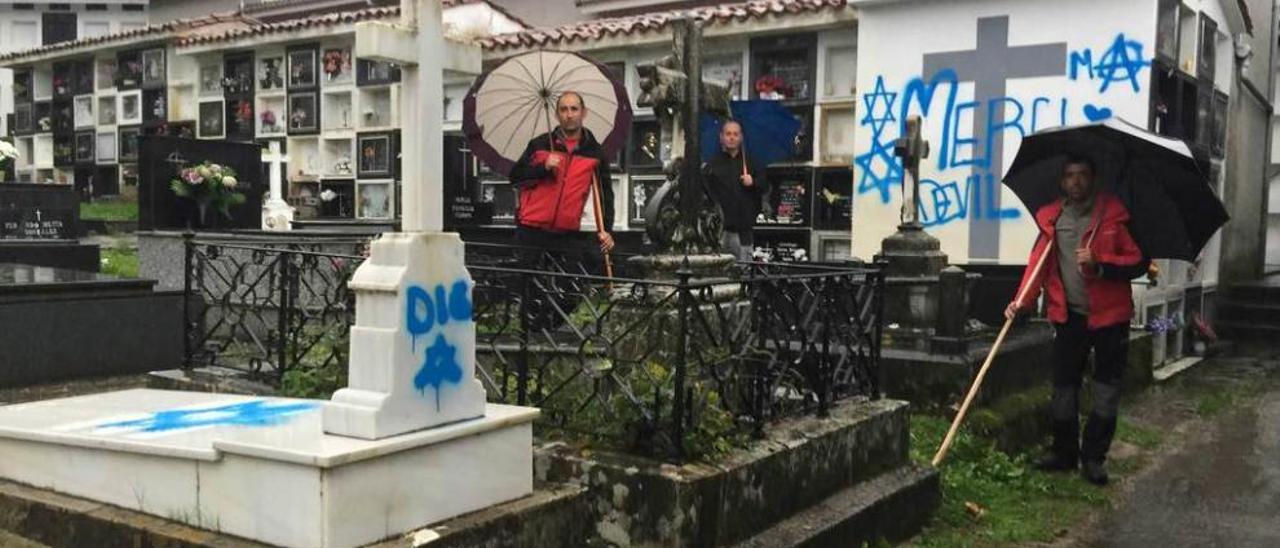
(674, 368)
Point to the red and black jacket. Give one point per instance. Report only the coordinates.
(554, 203)
(1114, 251)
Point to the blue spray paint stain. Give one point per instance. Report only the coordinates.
(249, 413)
(423, 314)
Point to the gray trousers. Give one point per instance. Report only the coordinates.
(738, 244)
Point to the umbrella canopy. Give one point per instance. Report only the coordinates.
(516, 101)
(768, 131)
(1173, 210)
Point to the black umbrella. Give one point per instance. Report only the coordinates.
(1173, 210)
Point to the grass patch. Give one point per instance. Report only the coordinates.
(109, 211)
(120, 261)
(991, 498)
(1141, 436)
(1212, 403)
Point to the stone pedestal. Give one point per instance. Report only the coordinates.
(912, 260)
(665, 266)
(413, 344)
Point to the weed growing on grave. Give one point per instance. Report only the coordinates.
(119, 261)
(321, 368)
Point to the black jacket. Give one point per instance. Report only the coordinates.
(740, 204)
(526, 172)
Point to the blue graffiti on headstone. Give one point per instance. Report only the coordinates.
(424, 312)
(249, 413)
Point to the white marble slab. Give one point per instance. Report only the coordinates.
(263, 468)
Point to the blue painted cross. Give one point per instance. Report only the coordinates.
(249, 413)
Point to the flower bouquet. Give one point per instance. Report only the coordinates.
(268, 118)
(208, 184)
(7, 154)
(337, 62)
(772, 87)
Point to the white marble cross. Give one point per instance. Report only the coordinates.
(413, 345)
(418, 45)
(276, 212)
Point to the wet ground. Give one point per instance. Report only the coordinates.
(1217, 480)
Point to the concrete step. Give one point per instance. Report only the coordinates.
(891, 507)
(548, 517)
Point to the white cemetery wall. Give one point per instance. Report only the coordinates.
(21, 29)
(1038, 64)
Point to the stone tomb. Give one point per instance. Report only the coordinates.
(58, 324)
(262, 468)
(408, 443)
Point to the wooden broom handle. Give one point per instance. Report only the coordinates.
(595, 201)
(982, 372)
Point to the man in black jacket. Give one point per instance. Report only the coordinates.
(737, 184)
(555, 177)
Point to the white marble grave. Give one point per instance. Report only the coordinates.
(262, 468)
(408, 443)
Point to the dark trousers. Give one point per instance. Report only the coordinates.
(554, 297)
(1071, 345)
(575, 252)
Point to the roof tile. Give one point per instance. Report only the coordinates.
(650, 22)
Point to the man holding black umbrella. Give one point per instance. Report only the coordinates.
(737, 185)
(1092, 257)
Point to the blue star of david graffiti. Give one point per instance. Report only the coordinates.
(880, 169)
(249, 413)
(879, 107)
(439, 366)
(423, 314)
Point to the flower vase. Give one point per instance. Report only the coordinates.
(201, 218)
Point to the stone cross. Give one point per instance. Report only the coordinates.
(418, 45)
(675, 89)
(412, 351)
(911, 148)
(989, 67)
(276, 212)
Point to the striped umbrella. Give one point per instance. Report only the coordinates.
(516, 101)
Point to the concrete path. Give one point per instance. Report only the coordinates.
(1221, 485)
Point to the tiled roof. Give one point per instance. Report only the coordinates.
(319, 21)
(596, 29)
(213, 22)
(292, 25)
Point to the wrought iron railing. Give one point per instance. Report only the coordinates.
(672, 368)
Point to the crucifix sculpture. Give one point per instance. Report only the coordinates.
(911, 148)
(680, 218)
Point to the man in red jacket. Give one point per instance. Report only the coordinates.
(1091, 260)
(555, 176)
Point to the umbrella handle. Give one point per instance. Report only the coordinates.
(982, 373)
(599, 217)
